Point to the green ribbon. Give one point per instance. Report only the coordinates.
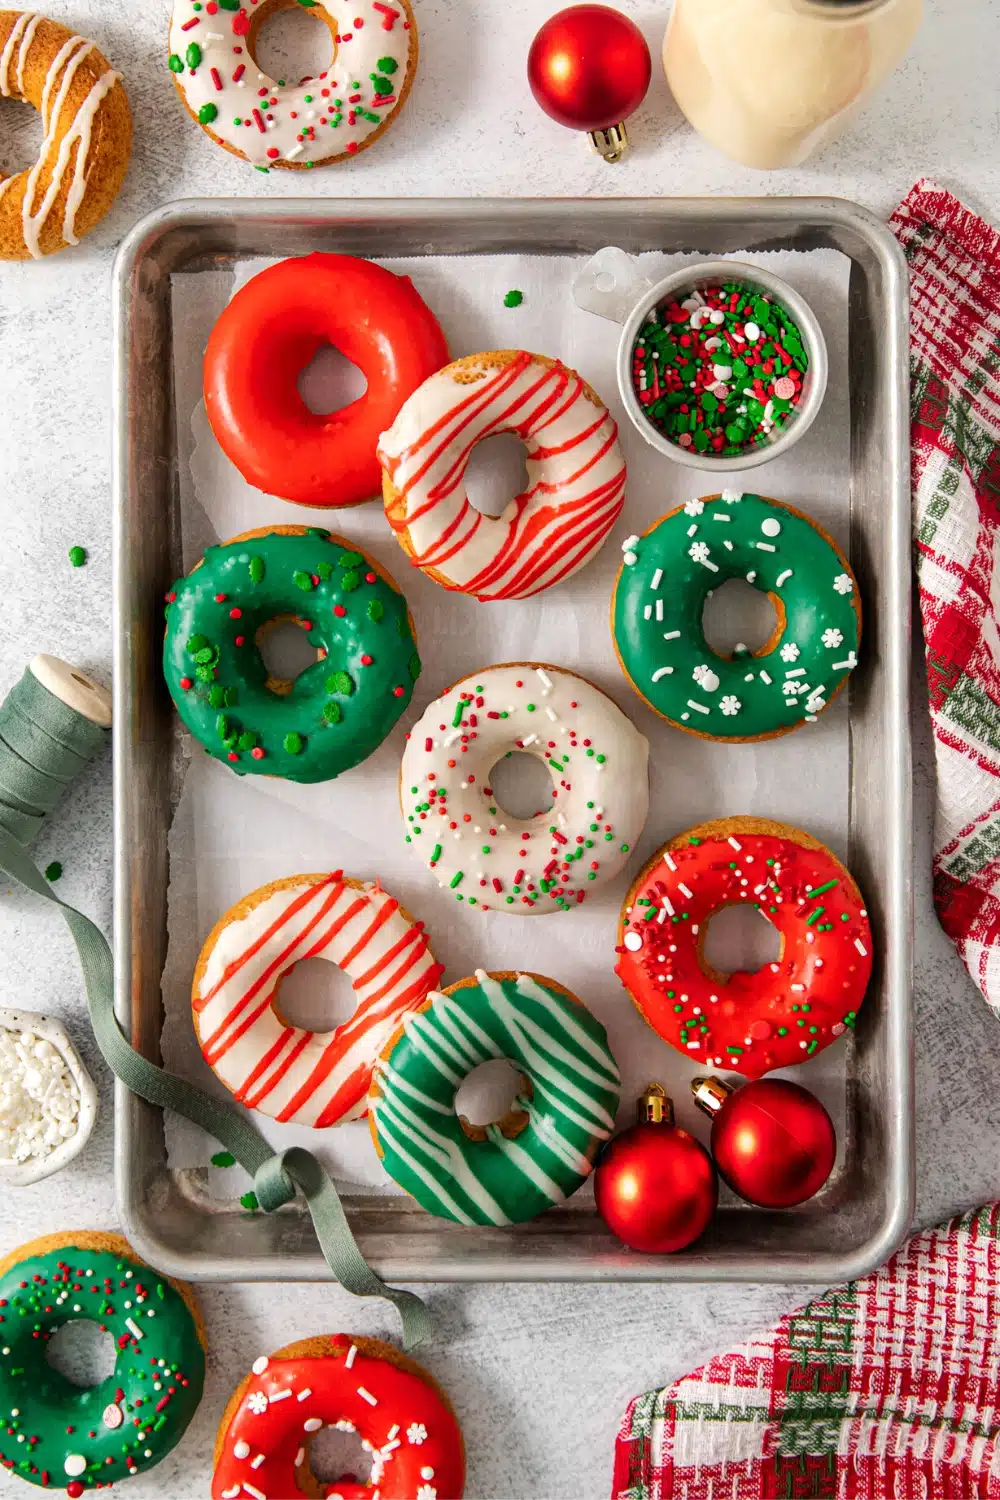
(44, 745)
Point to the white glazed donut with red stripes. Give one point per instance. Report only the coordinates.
(576, 475)
(291, 1074)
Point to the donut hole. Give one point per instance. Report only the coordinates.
(287, 650)
(21, 135)
(82, 1353)
(522, 786)
(737, 614)
(496, 473)
(289, 47)
(337, 1457)
(315, 996)
(740, 940)
(488, 1096)
(330, 381)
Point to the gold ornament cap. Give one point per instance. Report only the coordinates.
(710, 1094)
(654, 1107)
(613, 143)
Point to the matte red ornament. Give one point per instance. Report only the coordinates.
(589, 68)
(655, 1186)
(773, 1142)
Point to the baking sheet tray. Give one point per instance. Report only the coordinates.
(866, 1208)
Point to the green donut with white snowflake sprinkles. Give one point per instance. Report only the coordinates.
(71, 1438)
(671, 572)
(339, 710)
(486, 857)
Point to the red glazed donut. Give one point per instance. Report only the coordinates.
(264, 340)
(403, 1418)
(787, 1011)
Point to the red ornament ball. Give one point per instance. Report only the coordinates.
(774, 1143)
(589, 67)
(656, 1188)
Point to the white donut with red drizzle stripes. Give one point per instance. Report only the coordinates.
(311, 1078)
(484, 856)
(576, 475)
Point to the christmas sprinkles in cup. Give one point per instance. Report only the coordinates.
(720, 372)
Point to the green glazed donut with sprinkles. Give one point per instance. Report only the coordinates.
(670, 573)
(339, 710)
(70, 1438)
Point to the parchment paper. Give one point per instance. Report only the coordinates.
(232, 834)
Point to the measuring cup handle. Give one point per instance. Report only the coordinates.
(610, 285)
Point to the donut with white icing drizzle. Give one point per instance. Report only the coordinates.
(295, 124)
(87, 136)
(357, 1385)
(576, 475)
(544, 1149)
(291, 1074)
(482, 855)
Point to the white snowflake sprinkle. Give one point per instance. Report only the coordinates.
(426, 1492)
(730, 706)
(844, 583)
(790, 652)
(630, 543)
(694, 507)
(832, 638)
(257, 1402)
(705, 678)
(699, 552)
(416, 1433)
(732, 497)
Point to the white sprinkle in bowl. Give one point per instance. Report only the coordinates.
(22, 1174)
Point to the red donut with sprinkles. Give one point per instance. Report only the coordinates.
(266, 337)
(788, 1010)
(359, 1386)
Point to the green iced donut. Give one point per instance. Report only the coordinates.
(672, 570)
(545, 1147)
(340, 709)
(74, 1439)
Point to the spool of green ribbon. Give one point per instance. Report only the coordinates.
(52, 725)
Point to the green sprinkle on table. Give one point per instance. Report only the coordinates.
(53, 871)
(514, 298)
(223, 1159)
(78, 556)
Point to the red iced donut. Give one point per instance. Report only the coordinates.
(788, 1010)
(401, 1415)
(264, 340)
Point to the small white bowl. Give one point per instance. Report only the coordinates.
(697, 278)
(22, 1174)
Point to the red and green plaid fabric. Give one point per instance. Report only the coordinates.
(887, 1389)
(954, 261)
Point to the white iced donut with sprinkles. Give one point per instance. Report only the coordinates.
(291, 1074)
(576, 475)
(598, 762)
(310, 122)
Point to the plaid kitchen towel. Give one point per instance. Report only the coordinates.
(954, 261)
(887, 1389)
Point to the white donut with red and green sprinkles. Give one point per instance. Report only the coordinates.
(277, 123)
(484, 856)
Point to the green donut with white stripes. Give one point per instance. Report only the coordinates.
(544, 1148)
(670, 573)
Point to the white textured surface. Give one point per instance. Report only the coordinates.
(540, 1375)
